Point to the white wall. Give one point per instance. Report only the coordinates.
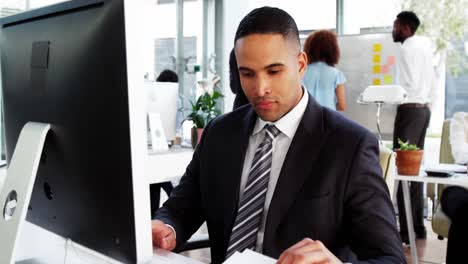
(234, 11)
(368, 13)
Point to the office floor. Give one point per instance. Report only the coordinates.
(430, 250)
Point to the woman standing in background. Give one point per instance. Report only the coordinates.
(322, 79)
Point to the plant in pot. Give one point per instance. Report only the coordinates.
(408, 158)
(202, 112)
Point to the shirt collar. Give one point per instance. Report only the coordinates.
(408, 41)
(288, 123)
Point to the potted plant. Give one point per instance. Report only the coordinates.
(408, 158)
(202, 112)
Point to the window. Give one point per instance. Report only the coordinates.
(308, 14)
(368, 16)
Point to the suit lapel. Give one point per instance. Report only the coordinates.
(297, 166)
(231, 184)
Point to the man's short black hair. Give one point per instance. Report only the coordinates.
(410, 19)
(268, 20)
(167, 76)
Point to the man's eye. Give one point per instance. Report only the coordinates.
(273, 72)
(246, 74)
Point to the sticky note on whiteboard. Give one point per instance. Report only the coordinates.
(376, 81)
(377, 47)
(391, 60)
(376, 69)
(388, 79)
(385, 69)
(376, 59)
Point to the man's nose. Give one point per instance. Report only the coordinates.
(262, 86)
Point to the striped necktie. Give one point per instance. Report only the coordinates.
(249, 214)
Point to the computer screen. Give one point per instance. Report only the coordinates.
(162, 98)
(72, 65)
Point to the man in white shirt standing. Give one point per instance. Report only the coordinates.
(416, 75)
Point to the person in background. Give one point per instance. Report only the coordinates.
(322, 79)
(415, 74)
(167, 76)
(234, 82)
(155, 189)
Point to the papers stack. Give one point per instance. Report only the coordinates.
(249, 257)
(447, 167)
(161, 256)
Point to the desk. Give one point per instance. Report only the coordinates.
(457, 179)
(47, 247)
(167, 166)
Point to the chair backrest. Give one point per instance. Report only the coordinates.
(445, 148)
(440, 222)
(445, 156)
(387, 162)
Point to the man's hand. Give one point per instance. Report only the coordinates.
(163, 236)
(308, 251)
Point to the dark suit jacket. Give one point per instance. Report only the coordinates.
(330, 189)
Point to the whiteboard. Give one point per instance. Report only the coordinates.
(366, 60)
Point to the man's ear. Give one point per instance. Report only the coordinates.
(302, 63)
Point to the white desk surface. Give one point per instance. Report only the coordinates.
(167, 166)
(460, 179)
(45, 247)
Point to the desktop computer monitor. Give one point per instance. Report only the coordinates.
(73, 65)
(162, 98)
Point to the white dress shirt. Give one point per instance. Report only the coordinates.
(287, 125)
(415, 71)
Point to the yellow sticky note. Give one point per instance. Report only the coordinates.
(376, 59)
(376, 81)
(387, 79)
(377, 47)
(376, 69)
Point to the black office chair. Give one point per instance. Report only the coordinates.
(195, 242)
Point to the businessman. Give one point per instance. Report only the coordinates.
(282, 175)
(416, 75)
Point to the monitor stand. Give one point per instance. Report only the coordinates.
(17, 188)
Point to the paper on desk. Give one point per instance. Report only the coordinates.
(234, 259)
(447, 167)
(249, 257)
(161, 256)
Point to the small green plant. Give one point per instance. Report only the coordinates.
(204, 109)
(406, 145)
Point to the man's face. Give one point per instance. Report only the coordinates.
(270, 68)
(398, 32)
